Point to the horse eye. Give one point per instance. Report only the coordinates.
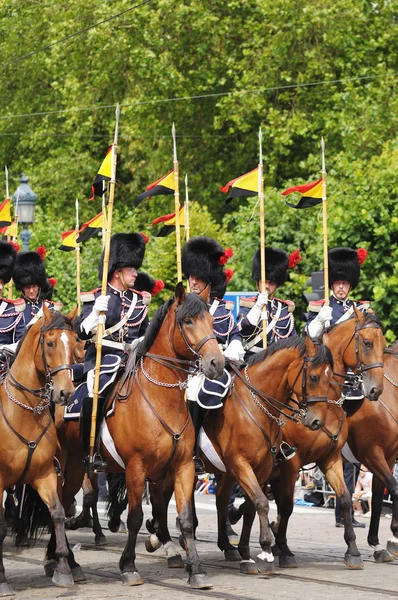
(188, 321)
(314, 378)
(367, 343)
(50, 344)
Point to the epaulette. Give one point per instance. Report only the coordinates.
(315, 305)
(58, 306)
(146, 297)
(19, 304)
(229, 304)
(289, 303)
(247, 302)
(89, 296)
(365, 304)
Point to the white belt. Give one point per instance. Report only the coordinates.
(126, 317)
(111, 344)
(271, 325)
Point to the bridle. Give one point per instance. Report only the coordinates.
(305, 400)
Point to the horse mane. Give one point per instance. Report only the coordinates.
(192, 306)
(323, 354)
(59, 321)
(370, 317)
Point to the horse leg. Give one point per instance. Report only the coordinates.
(333, 470)
(47, 489)
(135, 481)
(223, 492)
(248, 566)
(380, 554)
(183, 488)
(90, 487)
(284, 490)
(5, 588)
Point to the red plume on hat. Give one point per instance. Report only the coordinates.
(146, 238)
(41, 251)
(15, 245)
(224, 258)
(229, 273)
(158, 287)
(53, 281)
(362, 254)
(294, 259)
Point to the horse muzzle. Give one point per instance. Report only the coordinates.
(213, 368)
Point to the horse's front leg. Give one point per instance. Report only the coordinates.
(135, 481)
(380, 554)
(333, 470)
(284, 498)
(223, 492)
(47, 489)
(5, 588)
(184, 477)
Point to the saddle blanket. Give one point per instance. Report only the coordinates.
(208, 450)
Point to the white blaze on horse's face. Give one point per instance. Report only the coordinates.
(65, 340)
(327, 372)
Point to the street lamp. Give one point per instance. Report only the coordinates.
(25, 200)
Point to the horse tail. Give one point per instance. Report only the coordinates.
(117, 495)
(32, 518)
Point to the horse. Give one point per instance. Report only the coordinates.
(151, 427)
(246, 433)
(357, 343)
(39, 373)
(373, 439)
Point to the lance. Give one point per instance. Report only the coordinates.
(77, 258)
(102, 317)
(262, 235)
(186, 215)
(177, 205)
(103, 214)
(9, 231)
(325, 231)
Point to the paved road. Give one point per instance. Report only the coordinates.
(318, 545)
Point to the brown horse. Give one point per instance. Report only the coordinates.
(247, 433)
(357, 343)
(151, 428)
(373, 438)
(40, 372)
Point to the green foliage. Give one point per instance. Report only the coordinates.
(169, 49)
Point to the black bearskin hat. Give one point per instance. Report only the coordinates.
(146, 283)
(344, 264)
(7, 260)
(276, 265)
(29, 270)
(127, 250)
(205, 258)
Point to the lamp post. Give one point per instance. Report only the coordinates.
(25, 200)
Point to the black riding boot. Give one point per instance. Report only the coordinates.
(198, 414)
(285, 452)
(97, 465)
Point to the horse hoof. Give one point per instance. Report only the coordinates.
(175, 562)
(149, 526)
(266, 563)
(382, 556)
(248, 567)
(354, 562)
(288, 562)
(276, 551)
(232, 555)
(392, 547)
(132, 578)
(6, 589)
(152, 543)
(122, 527)
(233, 539)
(78, 574)
(49, 568)
(181, 539)
(63, 579)
(100, 540)
(200, 582)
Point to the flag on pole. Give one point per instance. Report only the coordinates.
(104, 174)
(11, 230)
(5, 213)
(68, 241)
(169, 223)
(90, 228)
(311, 194)
(245, 185)
(162, 187)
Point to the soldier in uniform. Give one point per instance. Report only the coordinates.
(31, 280)
(126, 320)
(279, 313)
(203, 261)
(12, 325)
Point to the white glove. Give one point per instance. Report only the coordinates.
(235, 350)
(316, 327)
(101, 304)
(10, 347)
(254, 314)
(193, 386)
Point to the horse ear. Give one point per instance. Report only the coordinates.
(180, 293)
(72, 314)
(309, 344)
(47, 314)
(206, 294)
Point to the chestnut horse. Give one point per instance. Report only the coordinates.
(151, 428)
(373, 438)
(356, 343)
(40, 372)
(246, 433)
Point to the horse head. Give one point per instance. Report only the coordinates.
(309, 377)
(358, 343)
(54, 355)
(193, 334)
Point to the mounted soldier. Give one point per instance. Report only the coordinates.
(31, 280)
(12, 324)
(344, 273)
(203, 260)
(279, 313)
(126, 320)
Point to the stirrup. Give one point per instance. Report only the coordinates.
(98, 465)
(199, 465)
(285, 452)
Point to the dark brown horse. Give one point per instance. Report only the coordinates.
(373, 438)
(247, 433)
(151, 428)
(41, 372)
